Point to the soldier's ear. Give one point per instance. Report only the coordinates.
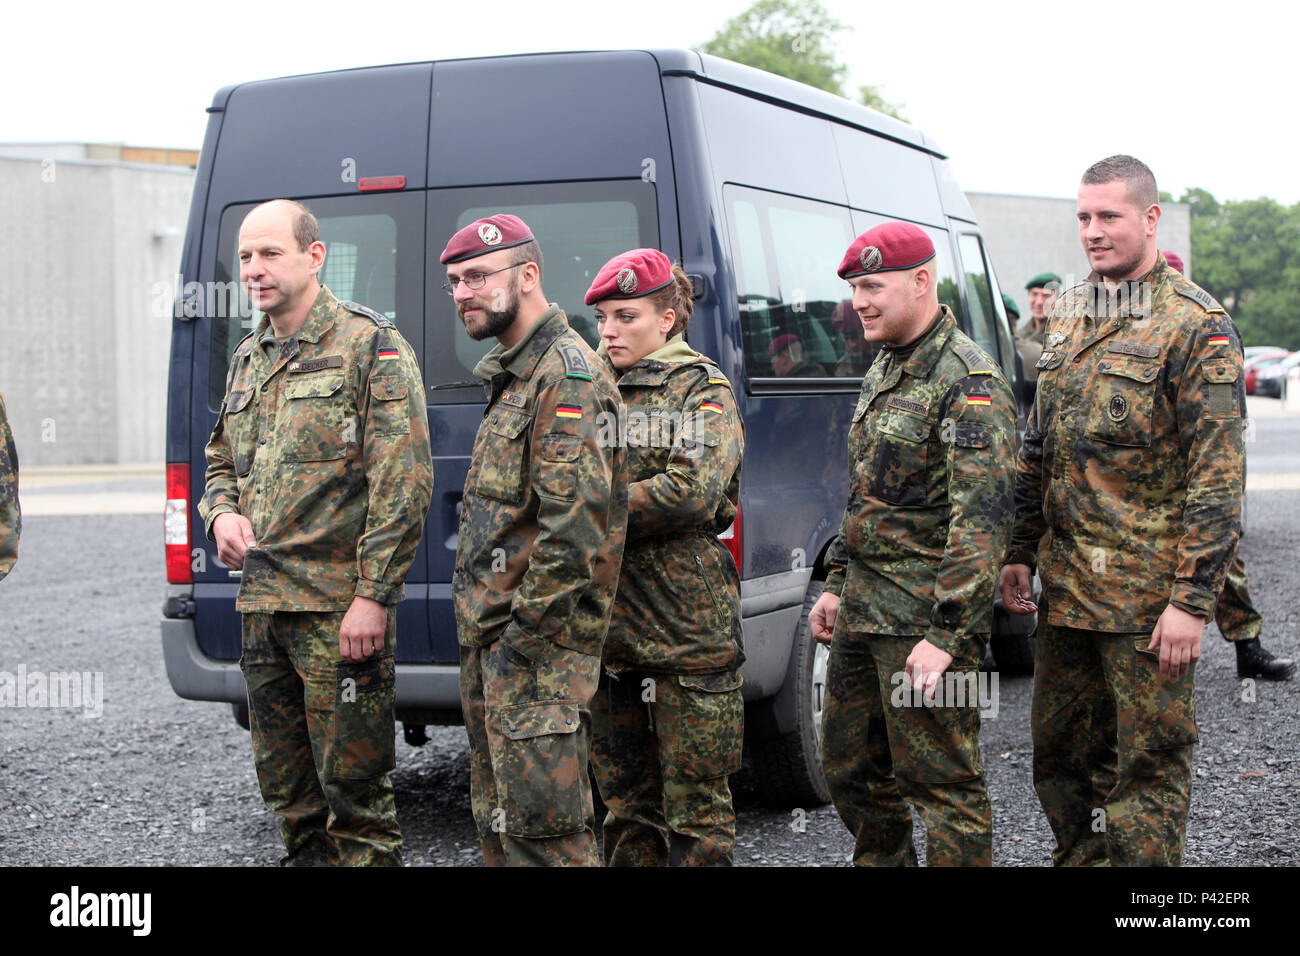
(317, 253)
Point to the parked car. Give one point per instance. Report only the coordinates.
(756, 183)
(1255, 364)
(1270, 381)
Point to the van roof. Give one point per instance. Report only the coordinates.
(714, 70)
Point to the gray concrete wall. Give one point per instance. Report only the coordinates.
(83, 350)
(1026, 235)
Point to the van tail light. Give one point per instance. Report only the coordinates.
(734, 539)
(176, 525)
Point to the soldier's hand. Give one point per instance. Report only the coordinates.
(362, 631)
(1017, 589)
(925, 665)
(821, 619)
(1178, 635)
(234, 534)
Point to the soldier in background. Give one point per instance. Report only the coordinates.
(786, 353)
(11, 516)
(1128, 499)
(541, 536)
(319, 476)
(858, 352)
(1239, 622)
(909, 594)
(668, 718)
(1031, 334)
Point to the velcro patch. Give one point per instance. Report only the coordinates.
(1219, 340)
(973, 435)
(979, 400)
(315, 365)
(575, 363)
(1133, 348)
(565, 410)
(907, 405)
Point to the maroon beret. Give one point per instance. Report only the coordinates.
(486, 235)
(887, 248)
(844, 319)
(1174, 259)
(631, 275)
(780, 344)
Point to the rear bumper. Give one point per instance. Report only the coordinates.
(196, 676)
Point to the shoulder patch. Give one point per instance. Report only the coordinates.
(369, 313)
(714, 374)
(575, 363)
(1190, 290)
(240, 343)
(970, 353)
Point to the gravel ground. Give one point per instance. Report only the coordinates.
(159, 780)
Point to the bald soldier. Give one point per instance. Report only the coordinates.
(319, 476)
(1128, 501)
(908, 603)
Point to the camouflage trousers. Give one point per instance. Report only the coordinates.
(526, 705)
(662, 747)
(1235, 613)
(879, 750)
(323, 738)
(1112, 748)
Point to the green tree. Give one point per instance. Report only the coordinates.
(795, 39)
(1247, 255)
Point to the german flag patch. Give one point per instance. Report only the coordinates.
(711, 407)
(389, 353)
(978, 400)
(1219, 340)
(564, 410)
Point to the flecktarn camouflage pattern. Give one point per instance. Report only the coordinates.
(668, 718)
(1128, 499)
(11, 518)
(931, 452)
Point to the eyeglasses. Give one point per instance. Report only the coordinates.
(475, 280)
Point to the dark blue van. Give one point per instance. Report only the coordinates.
(756, 183)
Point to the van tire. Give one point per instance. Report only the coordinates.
(788, 766)
(240, 711)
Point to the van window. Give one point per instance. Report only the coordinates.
(372, 256)
(988, 325)
(579, 226)
(786, 250)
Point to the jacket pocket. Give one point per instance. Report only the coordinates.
(314, 419)
(900, 463)
(500, 466)
(388, 414)
(1122, 411)
(241, 429)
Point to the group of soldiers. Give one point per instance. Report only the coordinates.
(598, 614)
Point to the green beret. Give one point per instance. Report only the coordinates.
(1043, 281)
(1010, 303)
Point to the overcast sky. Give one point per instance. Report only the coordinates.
(1022, 96)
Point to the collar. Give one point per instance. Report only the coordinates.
(521, 359)
(928, 349)
(320, 319)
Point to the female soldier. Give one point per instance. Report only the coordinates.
(667, 717)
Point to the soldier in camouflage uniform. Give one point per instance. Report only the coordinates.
(909, 594)
(542, 524)
(667, 722)
(1031, 334)
(1128, 498)
(11, 517)
(1235, 613)
(319, 476)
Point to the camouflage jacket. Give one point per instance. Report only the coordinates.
(1029, 343)
(324, 447)
(544, 514)
(678, 604)
(1128, 484)
(931, 473)
(11, 517)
